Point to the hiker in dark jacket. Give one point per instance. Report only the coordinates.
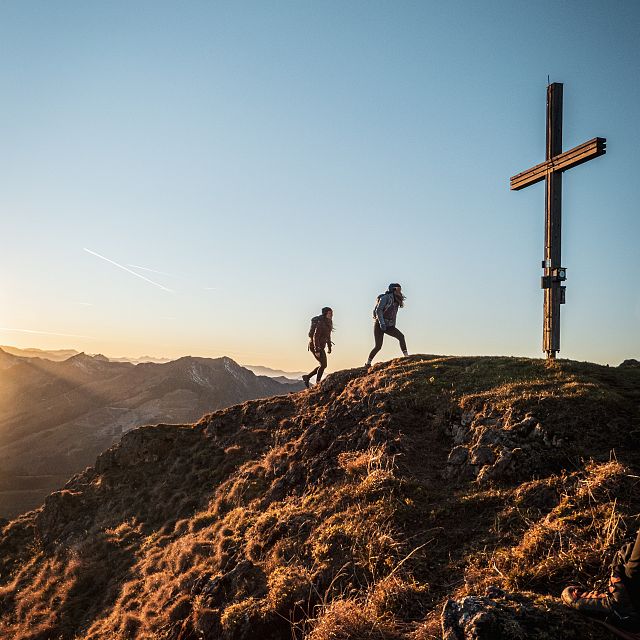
(619, 607)
(384, 319)
(319, 338)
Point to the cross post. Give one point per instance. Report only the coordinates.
(551, 170)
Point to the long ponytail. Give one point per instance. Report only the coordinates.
(326, 310)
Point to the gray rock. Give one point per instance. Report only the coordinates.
(478, 618)
(470, 618)
(506, 461)
(490, 437)
(460, 434)
(467, 417)
(525, 426)
(491, 422)
(482, 455)
(502, 469)
(459, 455)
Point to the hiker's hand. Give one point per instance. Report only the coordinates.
(329, 349)
(383, 327)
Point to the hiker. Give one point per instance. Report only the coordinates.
(384, 319)
(319, 338)
(619, 607)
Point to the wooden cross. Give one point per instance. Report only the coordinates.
(551, 172)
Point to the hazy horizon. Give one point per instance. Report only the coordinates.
(204, 178)
(388, 355)
(141, 356)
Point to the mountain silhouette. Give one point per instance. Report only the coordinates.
(56, 417)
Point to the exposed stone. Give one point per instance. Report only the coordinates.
(503, 616)
(490, 437)
(491, 422)
(469, 618)
(467, 417)
(458, 455)
(460, 434)
(482, 455)
(503, 467)
(525, 426)
(506, 460)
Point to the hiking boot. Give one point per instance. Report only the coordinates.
(305, 379)
(614, 606)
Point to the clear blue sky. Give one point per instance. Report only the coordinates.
(270, 158)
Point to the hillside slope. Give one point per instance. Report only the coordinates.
(355, 510)
(56, 417)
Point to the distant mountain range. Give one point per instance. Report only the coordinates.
(57, 355)
(56, 417)
(62, 354)
(274, 373)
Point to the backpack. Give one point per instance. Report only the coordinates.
(314, 323)
(382, 295)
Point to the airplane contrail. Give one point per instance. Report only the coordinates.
(120, 266)
(160, 273)
(47, 333)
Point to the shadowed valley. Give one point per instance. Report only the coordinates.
(56, 417)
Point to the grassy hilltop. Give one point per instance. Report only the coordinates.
(353, 511)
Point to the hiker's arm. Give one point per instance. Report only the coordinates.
(312, 329)
(380, 307)
(313, 343)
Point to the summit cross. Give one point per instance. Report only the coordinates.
(551, 172)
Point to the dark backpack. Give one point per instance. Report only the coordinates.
(314, 323)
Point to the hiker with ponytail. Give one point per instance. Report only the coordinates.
(384, 319)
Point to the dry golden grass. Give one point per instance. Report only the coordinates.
(328, 515)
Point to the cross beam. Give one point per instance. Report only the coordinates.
(567, 160)
(551, 171)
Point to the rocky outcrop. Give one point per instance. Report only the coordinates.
(499, 615)
(491, 447)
